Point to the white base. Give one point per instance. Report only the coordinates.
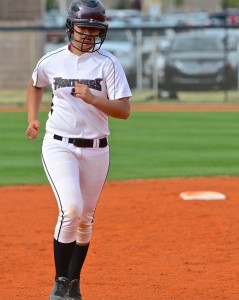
(202, 195)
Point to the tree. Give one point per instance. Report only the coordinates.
(173, 3)
(51, 4)
(230, 3)
(122, 4)
(179, 2)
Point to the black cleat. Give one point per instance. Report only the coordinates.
(74, 290)
(60, 289)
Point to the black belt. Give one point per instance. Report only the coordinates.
(83, 143)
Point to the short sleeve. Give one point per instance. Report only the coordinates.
(116, 81)
(39, 75)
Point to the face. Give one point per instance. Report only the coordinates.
(85, 37)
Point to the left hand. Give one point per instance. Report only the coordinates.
(82, 91)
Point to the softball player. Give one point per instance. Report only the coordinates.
(88, 84)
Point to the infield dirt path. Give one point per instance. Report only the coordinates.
(147, 243)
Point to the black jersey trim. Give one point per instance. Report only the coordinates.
(92, 221)
(50, 54)
(113, 67)
(58, 196)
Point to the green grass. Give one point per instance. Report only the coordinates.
(20, 161)
(175, 144)
(18, 97)
(148, 145)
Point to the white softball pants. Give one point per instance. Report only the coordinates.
(77, 176)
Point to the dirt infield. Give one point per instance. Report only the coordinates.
(148, 243)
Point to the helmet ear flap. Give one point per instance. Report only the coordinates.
(102, 34)
(69, 27)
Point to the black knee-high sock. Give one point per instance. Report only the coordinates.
(62, 256)
(77, 261)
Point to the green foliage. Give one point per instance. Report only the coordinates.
(148, 145)
(179, 2)
(51, 4)
(230, 3)
(122, 4)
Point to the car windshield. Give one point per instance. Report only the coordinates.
(197, 44)
(118, 35)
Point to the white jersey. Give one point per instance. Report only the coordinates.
(71, 116)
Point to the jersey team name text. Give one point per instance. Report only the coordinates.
(60, 82)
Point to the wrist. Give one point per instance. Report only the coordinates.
(94, 100)
(32, 120)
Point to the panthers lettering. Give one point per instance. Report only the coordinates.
(60, 82)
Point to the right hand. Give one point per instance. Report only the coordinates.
(33, 129)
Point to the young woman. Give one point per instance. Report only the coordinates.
(88, 85)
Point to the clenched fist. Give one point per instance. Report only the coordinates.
(33, 129)
(82, 91)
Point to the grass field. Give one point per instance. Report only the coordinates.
(148, 145)
(18, 97)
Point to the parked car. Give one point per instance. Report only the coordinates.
(55, 22)
(197, 18)
(120, 42)
(198, 60)
(129, 16)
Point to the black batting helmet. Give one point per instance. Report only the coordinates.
(87, 13)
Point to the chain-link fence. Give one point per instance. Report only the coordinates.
(165, 63)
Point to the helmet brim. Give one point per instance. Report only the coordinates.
(90, 23)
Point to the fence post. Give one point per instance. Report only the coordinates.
(155, 67)
(139, 62)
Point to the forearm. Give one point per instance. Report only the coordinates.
(115, 108)
(34, 98)
(118, 108)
